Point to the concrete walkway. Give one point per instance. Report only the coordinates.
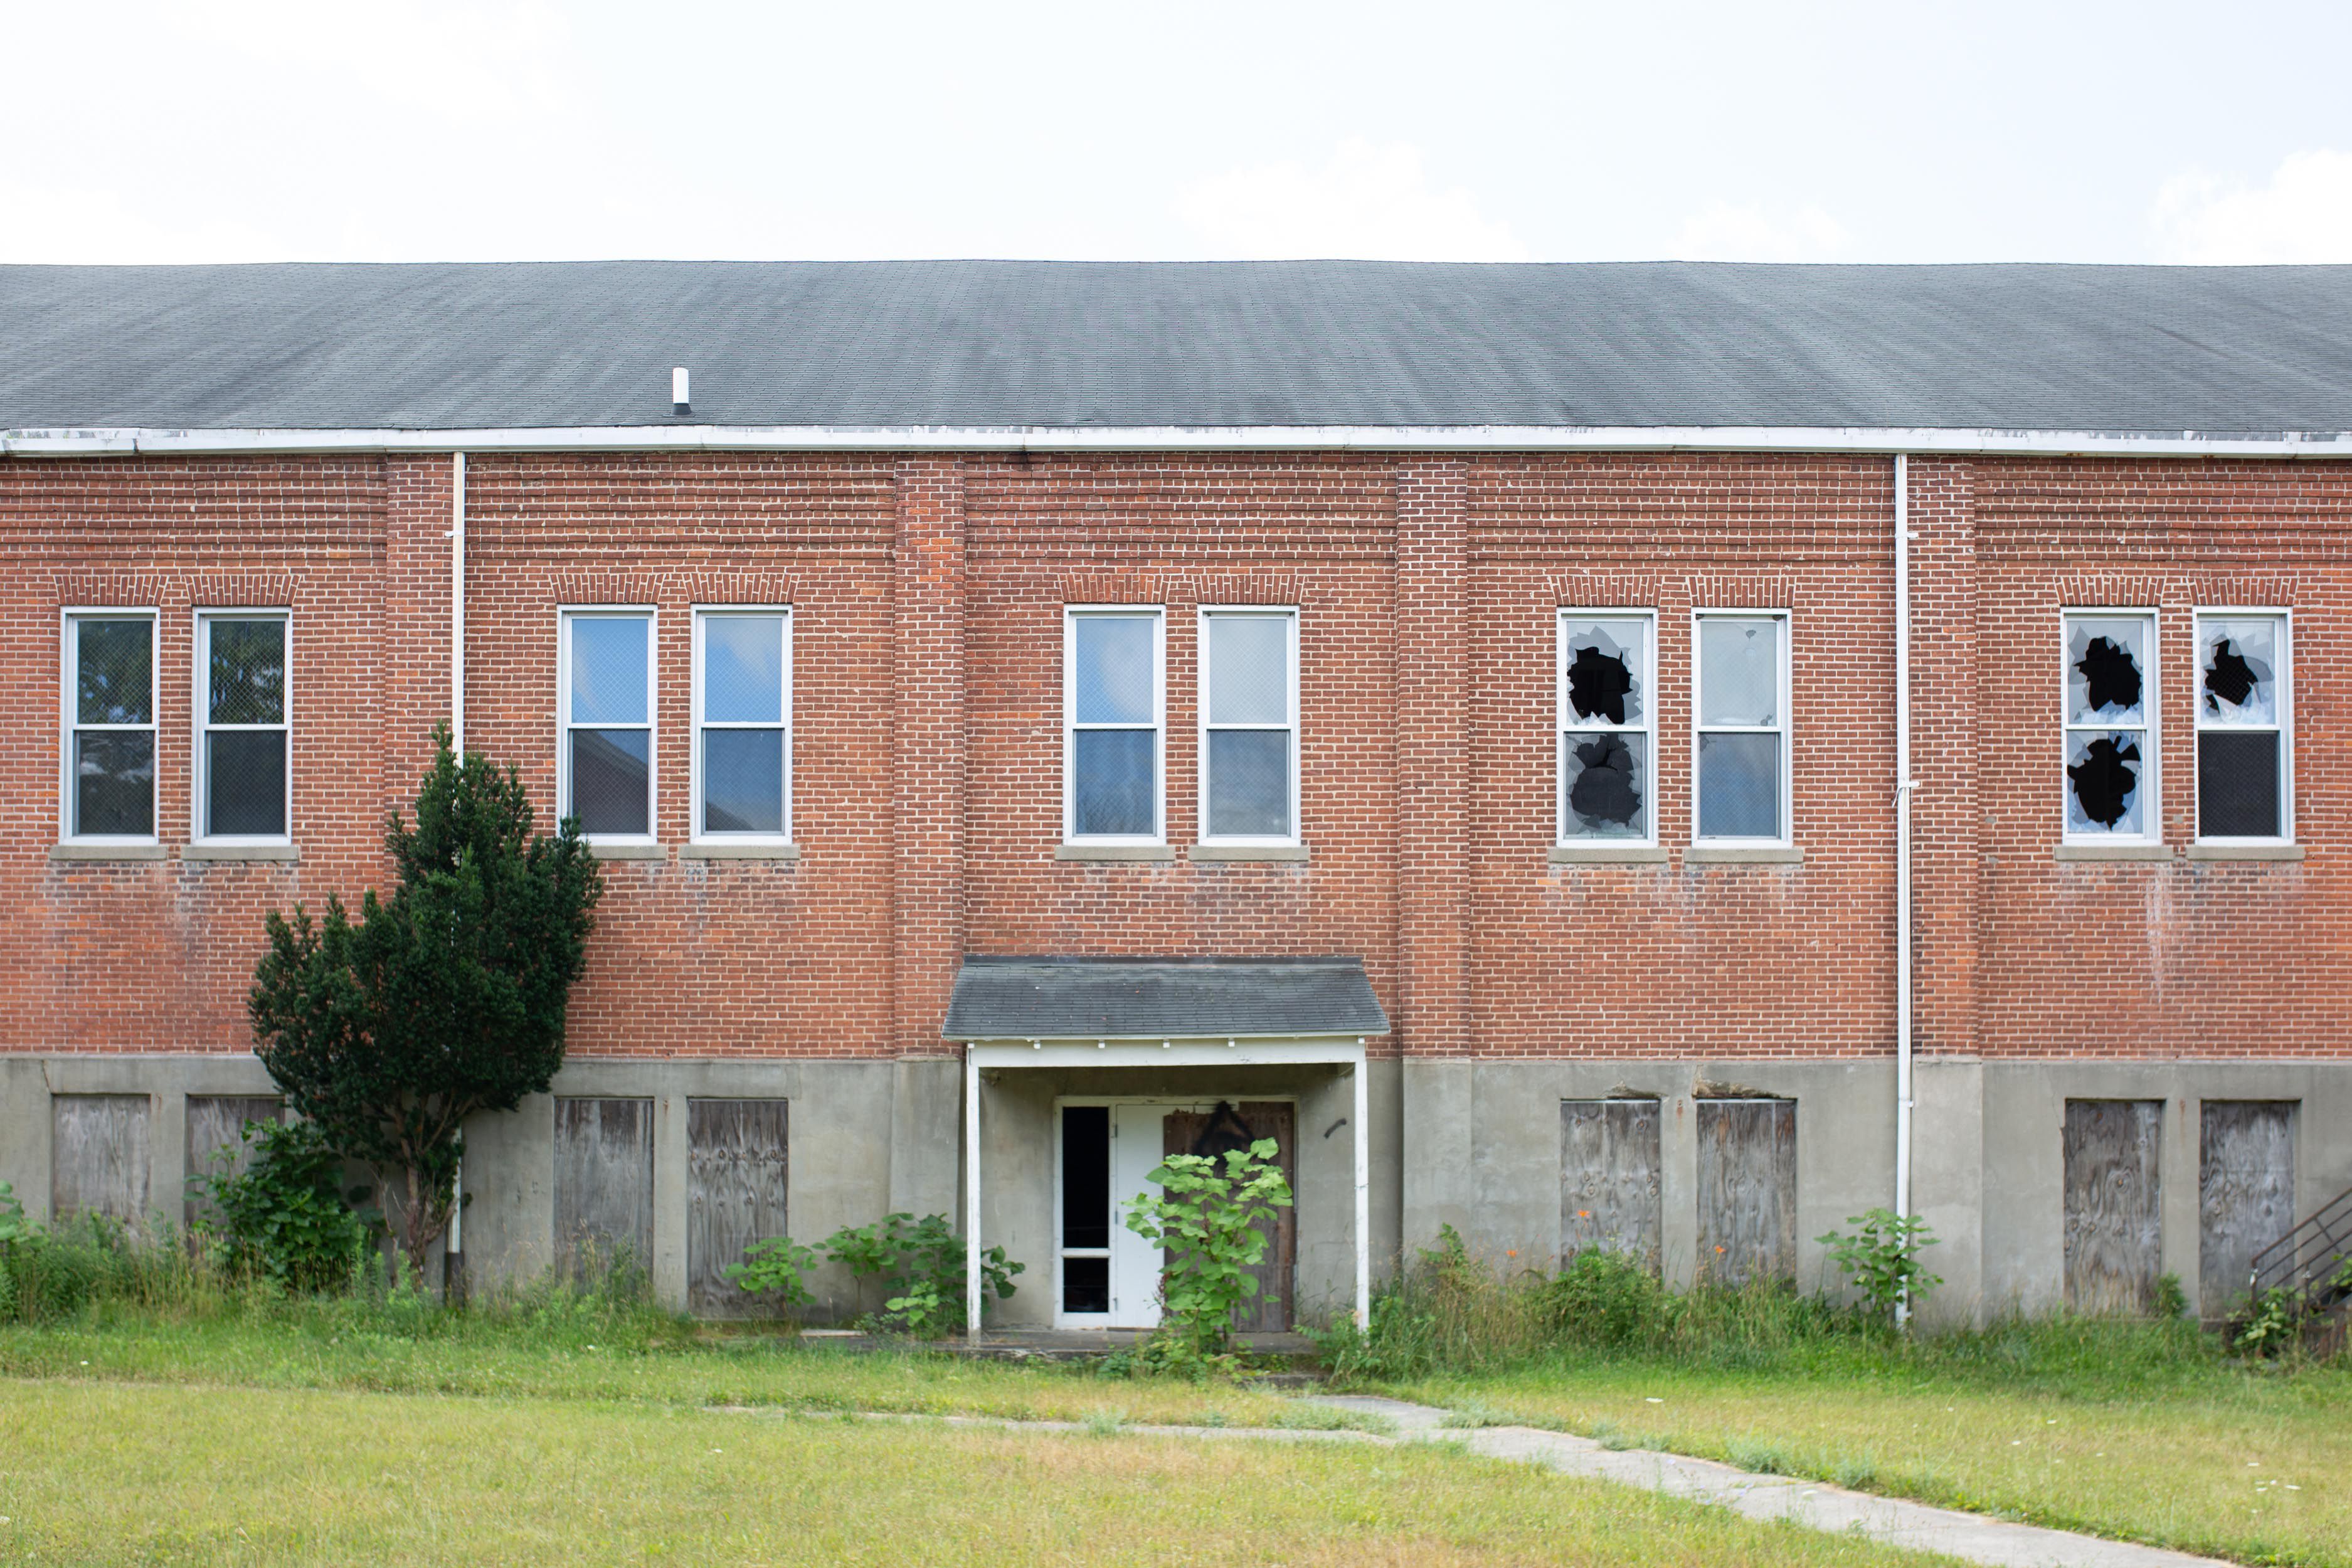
(1814, 1504)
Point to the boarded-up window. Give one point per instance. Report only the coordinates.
(98, 1158)
(1609, 1177)
(1747, 1189)
(216, 1127)
(2113, 1204)
(604, 1186)
(735, 1196)
(2245, 1193)
(1229, 1126)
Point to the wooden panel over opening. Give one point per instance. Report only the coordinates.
(1747, 1189)
(736, 1167)
(604, 1186)
(2113, 1205)
(1608, 1194)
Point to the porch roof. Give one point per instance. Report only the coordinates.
(1024, 998)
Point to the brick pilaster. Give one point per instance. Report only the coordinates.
(415, 651)
(1946, 809)
(1432, 757)
(929, 744)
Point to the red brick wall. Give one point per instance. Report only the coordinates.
(926, 596)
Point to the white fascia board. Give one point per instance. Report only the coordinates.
(94, 441)
(1177, 1051)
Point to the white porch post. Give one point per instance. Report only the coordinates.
(972, 1193)
(1363, 1131)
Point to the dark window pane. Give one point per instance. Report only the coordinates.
(743, 781)
(1607, 786)
(247, 676)
(114, 784)
(2238, 784)
(610, 771)
(1085, 1177)
(1111, 782)
(114, 672)
(1739, 787)
(1085, 1284)
(1249, 783)
(244, 782)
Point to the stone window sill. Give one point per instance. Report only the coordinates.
(286, 853)
(1607, 855)
(1743, 855)
(724, 852)
(2114, 852)
(1246, 852)
(2245, 852)
(87, 852)
(629, 851)
(1113, 852)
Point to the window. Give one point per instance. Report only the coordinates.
(1249, 726)
(605, 765)
(2111, 726)
(2243, 764)
(241, 725)
(1608, 725)
(1743, 726)
(742, 724)
(110, 724)
(1114, 709)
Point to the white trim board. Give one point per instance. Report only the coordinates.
(63, 441)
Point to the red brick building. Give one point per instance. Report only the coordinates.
(1517, 644)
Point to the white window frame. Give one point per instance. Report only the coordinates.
(565, 615)
(2151, 780)
(2284, 684)
(1786, 729)
(1563, 727)
(695, 832)
(1071, 616)
(69, 690)
(1287, 613)
(200, 712)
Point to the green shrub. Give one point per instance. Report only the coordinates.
(1210, 1222)
(1881, 1260)
(284, 1218)
(776, 1269)
(919, 1266)
(1610, 1299)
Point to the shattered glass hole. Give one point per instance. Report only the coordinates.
(1606, 682)
(2105, 660)
(2237, 664)
(1607, 786)
(2103, 785)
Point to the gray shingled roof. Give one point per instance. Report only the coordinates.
(972, 344)
(1161, 998)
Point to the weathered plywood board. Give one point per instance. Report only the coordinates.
(1609, 1177)
(2113, 1204)
(603, 1185)
(1747, 1189)
(735, 1189)
(2245, 1193)
(1237, 1127)
(216, 1123)
(99, 1153)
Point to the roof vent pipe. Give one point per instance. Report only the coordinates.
(679, 401)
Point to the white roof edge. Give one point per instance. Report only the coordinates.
(74, 442)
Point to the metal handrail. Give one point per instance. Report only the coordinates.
(2308, 1258)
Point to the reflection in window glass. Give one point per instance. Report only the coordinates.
(742, 739)
(608, 741)
(1743, 739)
(242, 745)
(2241, 727)
(1606, 723)
(1112, 720)
(111, 750)
(1248, 730)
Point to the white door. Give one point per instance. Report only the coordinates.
(1136, 1134)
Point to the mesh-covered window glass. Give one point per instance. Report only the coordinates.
(110, 744)
(1113, 710)
(606, 671)
(242, 733)
(1608, 726)
(1249, 725)
(2110, 728)
(1743, 727)
(742, 721)
(2241, 698)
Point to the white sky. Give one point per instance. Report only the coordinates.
(405, 130)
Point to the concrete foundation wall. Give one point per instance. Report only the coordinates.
(1475, 1144)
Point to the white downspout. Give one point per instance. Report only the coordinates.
(1904, 786)
(457, 1245)
(970, 1193)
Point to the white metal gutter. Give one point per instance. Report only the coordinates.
(90, 441)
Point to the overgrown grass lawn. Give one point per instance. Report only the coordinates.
(2218, 1460)
(98, 1472)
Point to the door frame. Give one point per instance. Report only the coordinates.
(1194, 1102)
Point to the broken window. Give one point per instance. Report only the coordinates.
(1743, 727)
(2110, 726)
(2241, 726)
(1114, 709)
(1607, 726)
(1249, 720)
